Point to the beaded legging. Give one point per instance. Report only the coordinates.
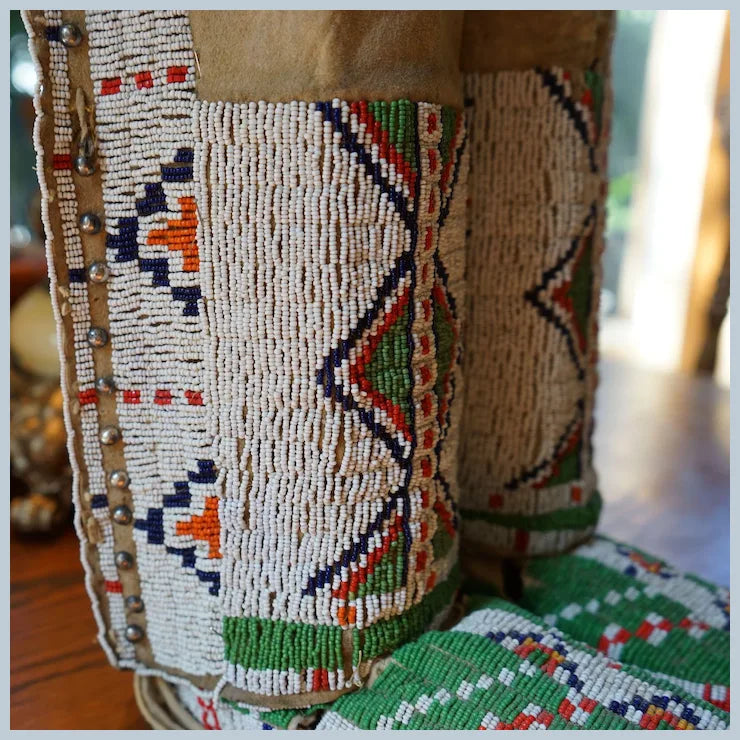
(289, 410)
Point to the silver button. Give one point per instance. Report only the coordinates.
(134, 603)
(97, 337)
(134, 633)
(70, 35)
(98, 272)
(122, 515)
(105, 385)
(84, 165)
(124, 560)
(89, 223)
(110, 435)
(119, 479)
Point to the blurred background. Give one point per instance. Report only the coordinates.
(662, 438)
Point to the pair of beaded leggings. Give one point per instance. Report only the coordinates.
(295, 383)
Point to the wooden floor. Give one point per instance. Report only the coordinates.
(59, 675)
(662, 450)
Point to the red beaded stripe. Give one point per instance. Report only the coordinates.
(110, 86)
(521, 540)
(195, 398)
(163, 397)
(723, 704)
(386, 150)
(346, 615)
(320, 679)
(143, 79)
(87, 397)
(495, 501)
(62, 162)
(176, 74)
(444, 178)
(445, 517)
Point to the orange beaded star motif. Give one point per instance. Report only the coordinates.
(180, 234)
(204, 527)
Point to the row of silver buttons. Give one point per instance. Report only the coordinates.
(98, 337)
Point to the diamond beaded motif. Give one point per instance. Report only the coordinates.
(334, 345)
(538, 146)
(283, 286)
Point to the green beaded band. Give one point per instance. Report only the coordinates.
(277, 645)
(570, 518)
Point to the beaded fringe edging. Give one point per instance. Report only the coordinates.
(270, 645)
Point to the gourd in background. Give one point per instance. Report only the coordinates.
(38, 451)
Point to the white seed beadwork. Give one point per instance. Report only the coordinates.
(283, 283)
(536, 218)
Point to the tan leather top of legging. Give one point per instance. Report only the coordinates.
(287, 55)
(495, 40)
(279, 55)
